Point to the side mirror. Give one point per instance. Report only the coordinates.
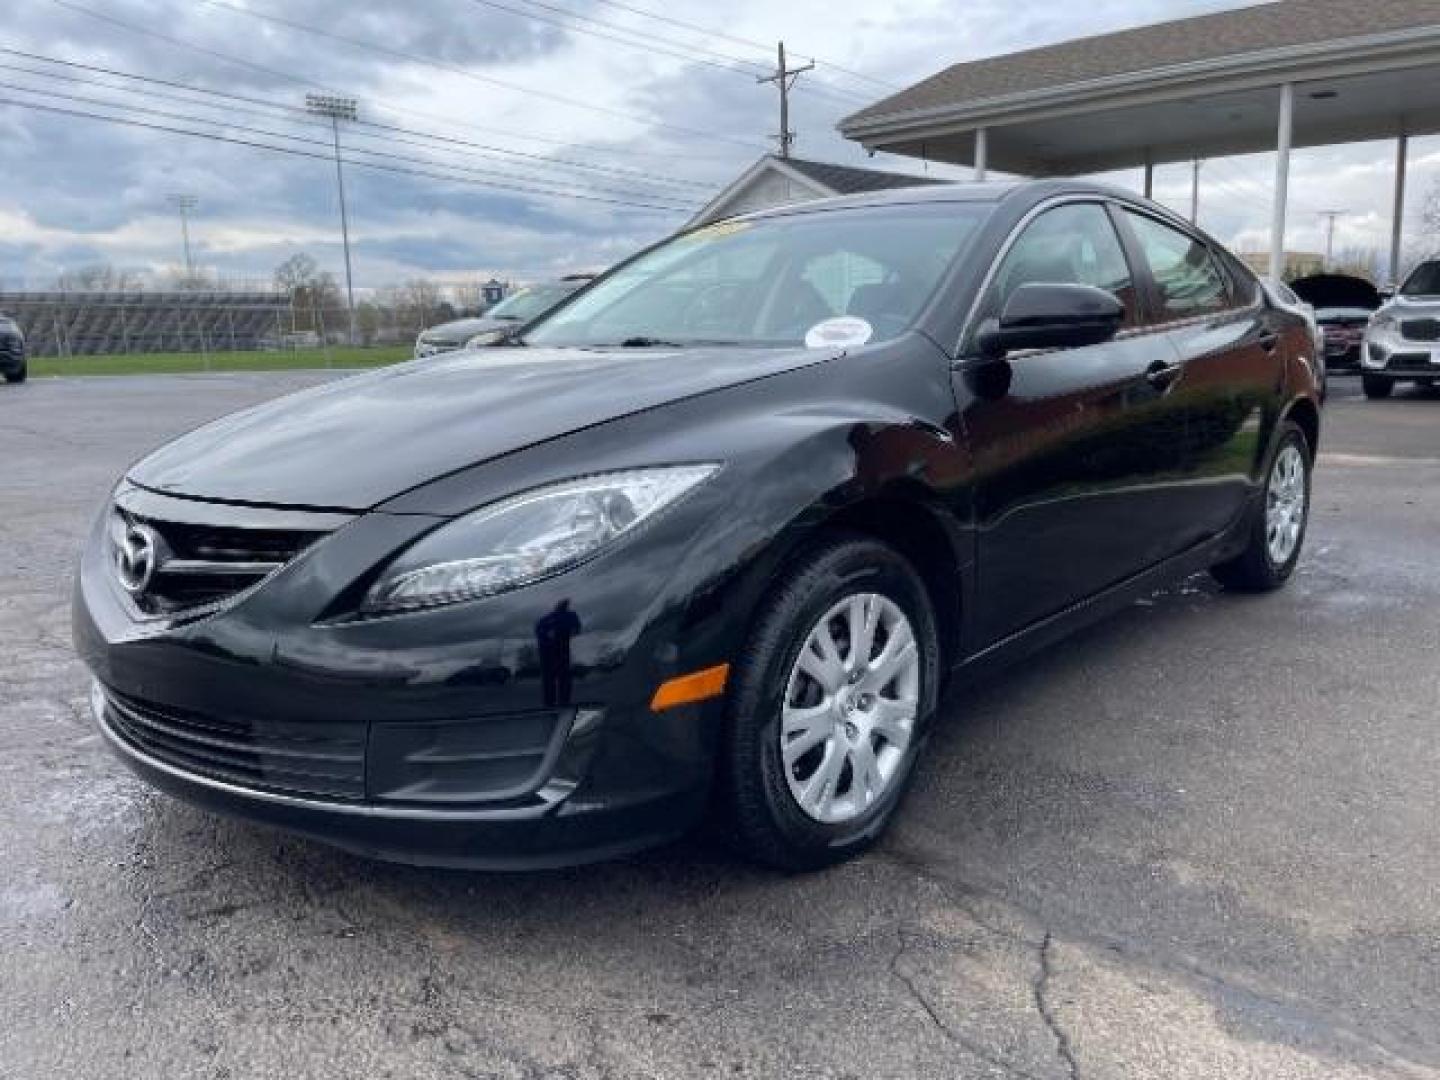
(1388, 291)
(1052, 317)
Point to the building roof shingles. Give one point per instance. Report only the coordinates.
(1203, 37)
(849, 180)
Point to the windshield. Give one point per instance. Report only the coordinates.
(526, 303)
(774, 281)
(1424, 281)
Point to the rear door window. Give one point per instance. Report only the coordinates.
(1186, 276)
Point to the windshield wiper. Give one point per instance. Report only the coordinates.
(648, 343)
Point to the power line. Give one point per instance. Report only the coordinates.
(271, 134)
(691, 53)
(680, 50)
(296, 152)
(300, 119)
(298, 81)
(710, 32)
(455, 69)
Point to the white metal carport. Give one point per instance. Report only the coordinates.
(1272, 76)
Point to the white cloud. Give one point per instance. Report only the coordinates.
(77, 190)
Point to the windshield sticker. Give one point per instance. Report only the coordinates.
(715, 232)
(841, 332)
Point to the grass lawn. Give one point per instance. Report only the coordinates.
(170, 363)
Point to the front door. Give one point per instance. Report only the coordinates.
(1074, 449)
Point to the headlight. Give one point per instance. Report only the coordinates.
(528, 537)
(488, 337)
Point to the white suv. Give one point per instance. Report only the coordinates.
(1402, 341)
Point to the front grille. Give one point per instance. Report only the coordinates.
(1408, 360)
(320, 758)
(199, 565)
(1420, 329)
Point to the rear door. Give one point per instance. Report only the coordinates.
(1230, 345)
(1073, 448)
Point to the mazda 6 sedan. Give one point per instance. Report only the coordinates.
(705, 541)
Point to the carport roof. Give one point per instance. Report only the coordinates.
(1200, 86)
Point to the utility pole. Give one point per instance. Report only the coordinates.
(337, 109)
(1195, 190)
(785, 78)
(185, 203)
(1330, 216)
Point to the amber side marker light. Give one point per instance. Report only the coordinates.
(685, 689)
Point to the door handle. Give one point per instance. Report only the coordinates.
(1160, 374)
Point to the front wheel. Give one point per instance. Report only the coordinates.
(1376, 386)
(18, 375)
(830, 704)
(1278, 520)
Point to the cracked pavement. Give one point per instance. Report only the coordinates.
(1196, 840)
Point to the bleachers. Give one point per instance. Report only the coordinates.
(91, 323)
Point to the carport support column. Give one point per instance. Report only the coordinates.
(1397, 213)
(982, 151)
(1282, 181)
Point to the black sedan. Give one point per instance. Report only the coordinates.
(710, 537)
(13, 365)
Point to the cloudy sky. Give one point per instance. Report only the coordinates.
(626, 121)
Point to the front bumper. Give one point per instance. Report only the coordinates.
(547, 832)
(1389, 354)
(12, 355)
(437, 738)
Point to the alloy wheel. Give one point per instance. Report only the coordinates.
(849, 708)
(1285, 504)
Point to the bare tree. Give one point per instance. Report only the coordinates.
(470, 297)
(417, 304)
(99, 277)
(315, 302)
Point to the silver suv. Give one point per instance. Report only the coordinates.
(1402, 341)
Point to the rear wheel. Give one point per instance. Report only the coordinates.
(1376, 386)
(831, 701)
(1278, 520)
(18, 375)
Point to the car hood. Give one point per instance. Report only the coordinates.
(352, 444)
(1336, 290)
(1413, 307)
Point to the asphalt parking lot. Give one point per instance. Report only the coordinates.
(1197, 840)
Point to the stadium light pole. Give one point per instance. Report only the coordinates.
(337, 109)
(185, 203)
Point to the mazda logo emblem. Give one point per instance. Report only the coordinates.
(137, 557)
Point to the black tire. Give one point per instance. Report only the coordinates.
(1376, 386)
(1254, 570)
(759, 815)
(18, 375)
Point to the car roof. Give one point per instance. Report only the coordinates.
(1027, 191)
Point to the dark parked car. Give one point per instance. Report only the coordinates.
(712, 534)
(524, 304)
(13, 364)
(1343, 305)
(1402, 341)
